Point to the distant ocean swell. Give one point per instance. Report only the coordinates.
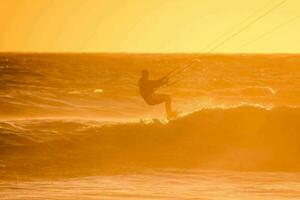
(105, 85)
(240, 138)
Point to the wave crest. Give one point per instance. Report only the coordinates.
(243, 138)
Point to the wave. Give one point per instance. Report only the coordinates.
(239, 138)
(258, 91)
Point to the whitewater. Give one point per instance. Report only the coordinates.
(73, 126)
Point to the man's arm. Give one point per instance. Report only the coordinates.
(160, 82)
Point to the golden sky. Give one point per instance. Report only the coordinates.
(147, 26)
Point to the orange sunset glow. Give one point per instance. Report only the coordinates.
(149, 99)
(145, 26)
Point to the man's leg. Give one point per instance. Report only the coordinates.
(168, 106)
(160, 98)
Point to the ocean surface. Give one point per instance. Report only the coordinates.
(73, 126)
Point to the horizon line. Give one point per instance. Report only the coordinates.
(149, 53)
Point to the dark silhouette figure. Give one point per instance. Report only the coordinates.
(148, 89)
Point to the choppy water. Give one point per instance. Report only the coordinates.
(74, 127)
(69, 85)
(162, 184)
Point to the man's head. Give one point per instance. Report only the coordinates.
(145, 73)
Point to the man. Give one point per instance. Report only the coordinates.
(147, 91)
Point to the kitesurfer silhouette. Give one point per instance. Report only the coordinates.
(148, 90)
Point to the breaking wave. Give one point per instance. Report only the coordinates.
(240, 138)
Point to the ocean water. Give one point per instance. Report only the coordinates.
(162, 184)
(73, 126)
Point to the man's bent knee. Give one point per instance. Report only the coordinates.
(167, 98)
